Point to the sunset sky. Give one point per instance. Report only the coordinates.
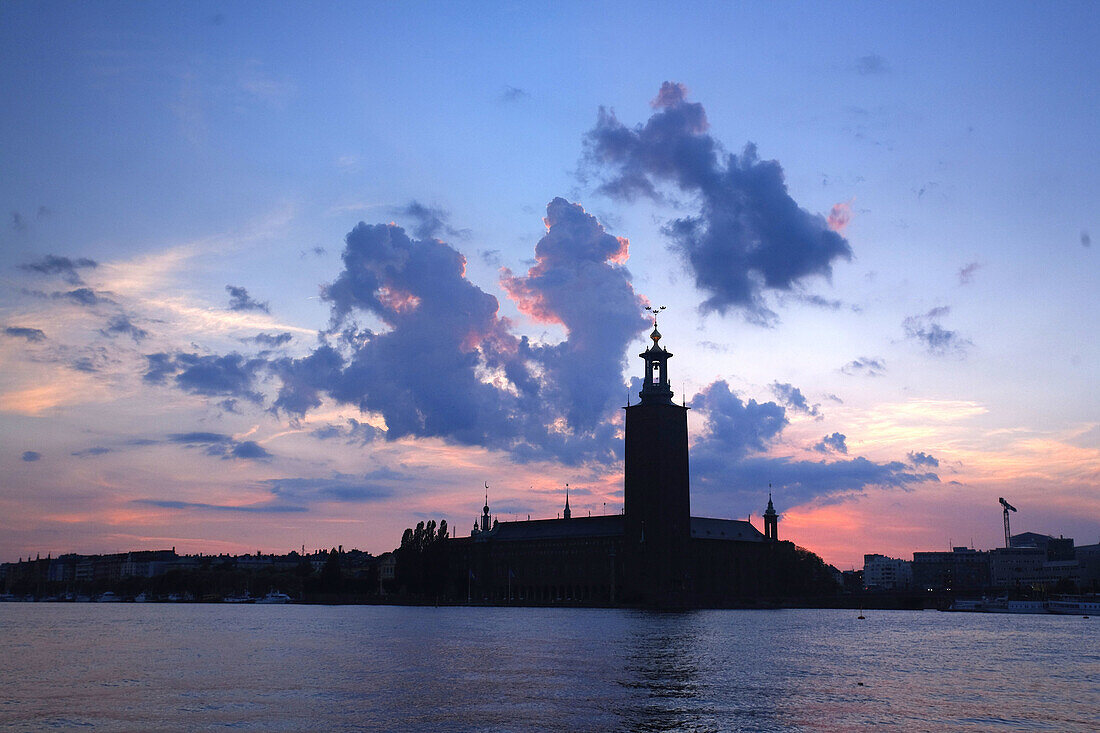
(284, 275)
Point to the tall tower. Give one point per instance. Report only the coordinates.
(771, 521)
(657, 521)
(566, 514)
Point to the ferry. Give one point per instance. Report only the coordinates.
(275, 597)
(1065, 605)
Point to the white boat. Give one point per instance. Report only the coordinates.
(108, 597)
(275, 597)
(1071, 606)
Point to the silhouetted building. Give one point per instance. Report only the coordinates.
(962, 569)
(654, 553)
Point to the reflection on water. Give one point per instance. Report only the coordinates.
(176, 667)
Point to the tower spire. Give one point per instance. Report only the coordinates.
(566, 514)
(771, 519)
(655, 385)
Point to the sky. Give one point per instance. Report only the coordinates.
(275, 277)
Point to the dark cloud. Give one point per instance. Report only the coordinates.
(248, 449)
(63, 266)
(513, 94)
(231, 375)
(966, 273)
(923, 459)
(18, 223)
(30, 334)
(272, 340)
(31, 456)
(448, 366)
(833, 443)
(96, 450)
(725, 468)
(749, 235)
(795, 482)
(246, 509)
(339, 488)
(865, 365)
(579, 282)
(1086, 240)
(430, 221)
(353, 432)
(86, 364)
(82, 296)
(122, 325)
(239, 300)
(222, 446)
(936, 339)
(821, 302)
(735, 428)
(872, 64)
(792, 397)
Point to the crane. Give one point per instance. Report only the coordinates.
(1007, 508)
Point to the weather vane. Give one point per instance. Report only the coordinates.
(654, 311)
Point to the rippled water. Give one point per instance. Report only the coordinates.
(380, 668)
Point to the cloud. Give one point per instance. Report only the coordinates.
(121, 324)
(872, 367)
(30, 334)
(96, 450)
(353, 432)
(1086, 240)
(448, 365)
(222, 446)
(966, 273)
(923, 459)
(734, 427)
(835, 443)
(63, 266)
(871, 64)
(239, 300)
(246, 508)
(749, 235)
(840, 216)
(792, 397)
(430, 221)
(579, 281)
(272, 340)
(30, 456)
(82, 296)
(936, 339)
(18, 223)
(248, 449)
(231, 375)
(340, 488)
(726, 461)
(513, 94)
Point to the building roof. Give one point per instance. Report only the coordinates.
(608, 525)
(724, 529)
(611, 525)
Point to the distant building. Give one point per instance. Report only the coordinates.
(962, 569)
(886, 573)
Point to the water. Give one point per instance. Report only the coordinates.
(376, 668)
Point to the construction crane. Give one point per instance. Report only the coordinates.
(1007, 508)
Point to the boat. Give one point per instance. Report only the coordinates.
(108, 597)
(275, 597)
(1074, 605)
(245, 598)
